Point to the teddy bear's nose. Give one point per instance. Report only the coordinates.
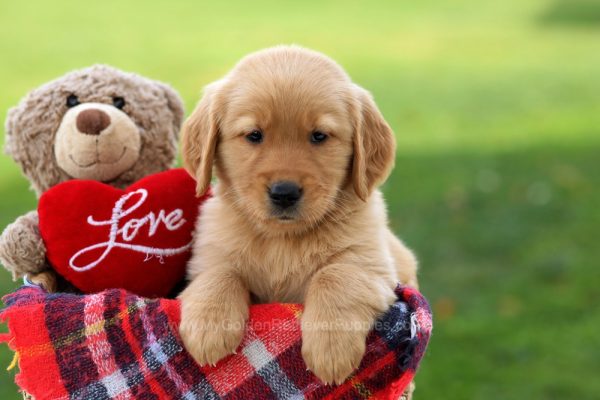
(92, 121)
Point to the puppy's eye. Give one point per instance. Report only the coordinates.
(119, 102)
(72, 101)
(255, 136)
(318, 137)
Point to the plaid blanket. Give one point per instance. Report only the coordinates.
(115, 345)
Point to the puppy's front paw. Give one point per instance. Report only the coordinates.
(332, 355)
(211, 334)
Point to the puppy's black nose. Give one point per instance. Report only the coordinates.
(285, 194)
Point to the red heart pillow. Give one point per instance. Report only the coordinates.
(100, 237)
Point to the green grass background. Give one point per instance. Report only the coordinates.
(496, 106)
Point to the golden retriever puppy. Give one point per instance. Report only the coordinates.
(299, 151)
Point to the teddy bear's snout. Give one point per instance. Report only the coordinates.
(92, 121)
(96, 141)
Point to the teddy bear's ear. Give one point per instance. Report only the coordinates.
(175, 105)
(9, 126)
(13, 141)
(199, 138)
(30, 128)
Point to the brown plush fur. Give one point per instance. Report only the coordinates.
(336, 254)
(155, 108)
(150, 120)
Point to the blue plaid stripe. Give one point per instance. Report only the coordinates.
(201, 391)
(121, 350)
(269, 370)
(93, 391)
(158, 353)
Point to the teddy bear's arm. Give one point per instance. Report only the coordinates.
(22, 249)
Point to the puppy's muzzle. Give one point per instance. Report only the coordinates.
(284, 194)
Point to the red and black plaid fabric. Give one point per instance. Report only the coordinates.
(115, 345)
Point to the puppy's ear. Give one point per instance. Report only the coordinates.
(374, 146)
(199, 139)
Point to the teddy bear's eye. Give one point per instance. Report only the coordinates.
(119, 102)
(72, 101)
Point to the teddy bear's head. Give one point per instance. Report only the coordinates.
(96, 123)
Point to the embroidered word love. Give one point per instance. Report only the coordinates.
(122, 234)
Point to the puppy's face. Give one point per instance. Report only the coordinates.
(286, 130)
(284, 154)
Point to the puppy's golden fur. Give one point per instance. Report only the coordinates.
(334, 253)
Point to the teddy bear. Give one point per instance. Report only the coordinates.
(98, 123)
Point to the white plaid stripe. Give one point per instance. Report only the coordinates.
(97, 342)
(268, 369)
(116, 386)
(182, 386)
(257, 354)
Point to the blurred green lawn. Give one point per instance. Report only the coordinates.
(496, 106)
